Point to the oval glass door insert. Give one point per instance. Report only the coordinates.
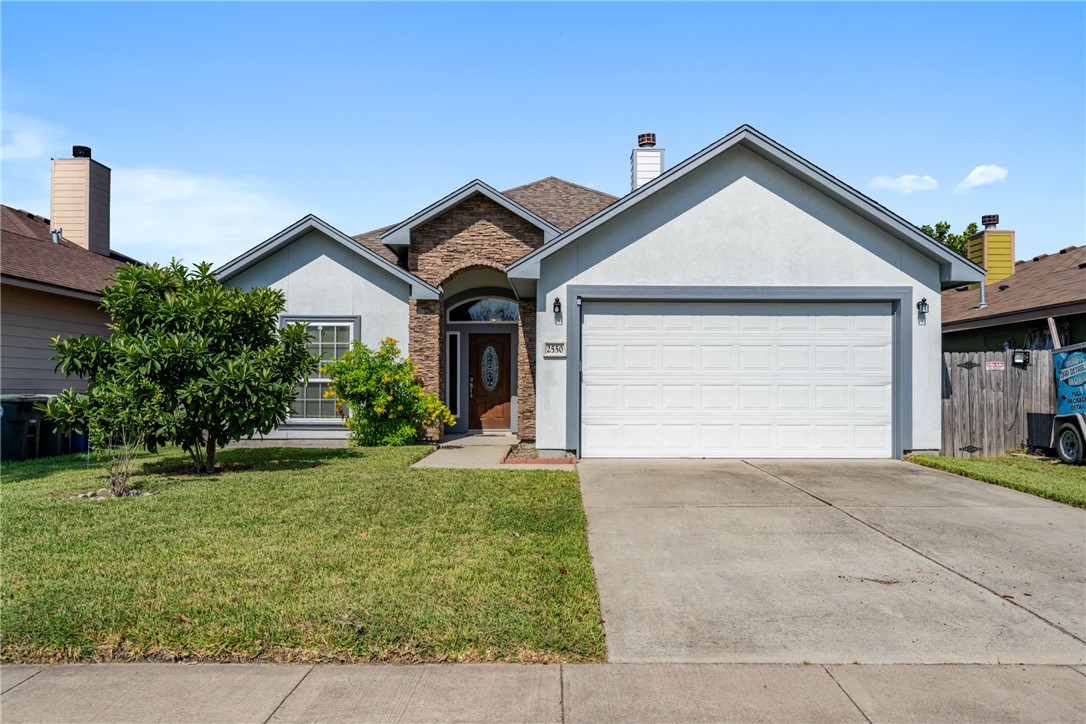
(488, 368)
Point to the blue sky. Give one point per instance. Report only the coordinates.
(223, 123)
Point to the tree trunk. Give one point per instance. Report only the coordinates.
(209, 460)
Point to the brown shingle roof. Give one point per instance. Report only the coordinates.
(1046, 281)
(27, 252)
(562, 203)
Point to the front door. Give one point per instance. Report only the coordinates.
(488, 382)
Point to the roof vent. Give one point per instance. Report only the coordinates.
(1004, 287)
(990, 221)
(646, 140)
(56, 235)
(81, 151)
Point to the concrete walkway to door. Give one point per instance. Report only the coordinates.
(831, 562)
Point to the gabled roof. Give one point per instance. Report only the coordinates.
(400, 234)
(954, 269)
(1048, 285)
(560, 202)
(28, 254)
(308, 223)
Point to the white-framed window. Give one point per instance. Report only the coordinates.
(328, 340)
(452, 373)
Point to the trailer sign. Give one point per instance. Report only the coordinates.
(1070, 381)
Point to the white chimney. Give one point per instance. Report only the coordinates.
(80, 200)
(646, 161)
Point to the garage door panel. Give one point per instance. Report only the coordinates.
(731, 379)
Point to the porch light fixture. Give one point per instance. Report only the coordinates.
(557, 305)
(922, 306)
(1021, 357)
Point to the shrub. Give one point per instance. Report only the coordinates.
(381, 399)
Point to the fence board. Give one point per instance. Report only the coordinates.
(994, 410)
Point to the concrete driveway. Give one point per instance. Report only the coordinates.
(833, 562)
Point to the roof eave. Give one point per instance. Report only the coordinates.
(400, 235)
(953, 268)
(309, 222)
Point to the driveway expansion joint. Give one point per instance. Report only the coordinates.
(942, 565)
(19, 683)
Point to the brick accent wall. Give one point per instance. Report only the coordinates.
(476, 232)
(526, 372)
(427, 329)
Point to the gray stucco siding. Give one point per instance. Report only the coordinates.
(321, 278)
(740, 221)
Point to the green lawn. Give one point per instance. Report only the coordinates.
(297, 555)
(1065, 483)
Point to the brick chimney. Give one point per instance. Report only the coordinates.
(993, 249)
(79, 204)
(646, 161)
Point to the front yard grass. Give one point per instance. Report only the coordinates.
(296, 555)
(1063, 483)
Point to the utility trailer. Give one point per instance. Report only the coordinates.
(1069, 424)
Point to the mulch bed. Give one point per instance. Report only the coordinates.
(521, 453)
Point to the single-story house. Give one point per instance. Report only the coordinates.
(52, 271)
(1019, 299)
(741, 303)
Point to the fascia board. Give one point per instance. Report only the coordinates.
(419, 288)
(400, 235)
(951, 265)
(50, 288)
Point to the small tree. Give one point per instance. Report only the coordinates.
(957, 242)
(381, 399)
(189, 363)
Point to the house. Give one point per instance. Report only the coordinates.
(741, 303)
(1019, 298)
(52, 272)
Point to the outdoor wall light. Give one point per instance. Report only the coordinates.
(922, 306)
(1021, 357)
(557, 305)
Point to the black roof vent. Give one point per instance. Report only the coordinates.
(81, 151)
(1002, 287)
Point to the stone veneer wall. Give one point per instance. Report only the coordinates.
(426, 327)
(476, 233)
(526, 372)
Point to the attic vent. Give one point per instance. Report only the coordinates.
(1003, 287)
(1082, 265)
(962, 289)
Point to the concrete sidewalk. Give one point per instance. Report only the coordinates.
(480, 451)
(538, 693)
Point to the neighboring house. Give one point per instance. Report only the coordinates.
(51, 282)
(742, 303)
(1020, 298)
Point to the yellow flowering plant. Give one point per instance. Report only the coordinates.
(380, 397)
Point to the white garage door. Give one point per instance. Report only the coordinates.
(736, 379)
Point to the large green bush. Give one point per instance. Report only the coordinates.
(384, 403)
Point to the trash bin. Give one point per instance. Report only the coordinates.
(24, 432)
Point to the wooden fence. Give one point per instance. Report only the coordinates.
(991, 405)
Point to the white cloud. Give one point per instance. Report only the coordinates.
(906, 184)
(981, 176)
(159, 213)
(26, 138)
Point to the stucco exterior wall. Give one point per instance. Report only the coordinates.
(322, 278)
(740, 221)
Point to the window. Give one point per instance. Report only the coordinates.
(452, 379)
(485, 310)
(328, 341)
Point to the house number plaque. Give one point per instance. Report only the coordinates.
(554, 349)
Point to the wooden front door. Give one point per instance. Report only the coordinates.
(489, 385)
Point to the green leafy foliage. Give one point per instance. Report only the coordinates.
(957, 242)
(387, 403)
(189, 362)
